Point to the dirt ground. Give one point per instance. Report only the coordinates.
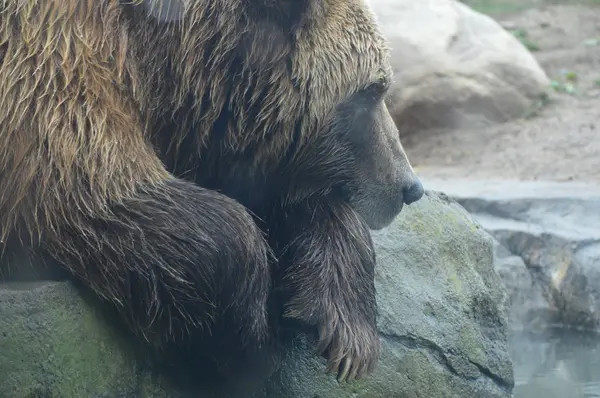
(561, 141)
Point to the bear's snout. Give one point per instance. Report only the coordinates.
(413, 192)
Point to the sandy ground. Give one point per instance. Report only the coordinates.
(559, 142)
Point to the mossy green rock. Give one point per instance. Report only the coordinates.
(53, 344)
(56, 344)
(442, 315)
(442, 324)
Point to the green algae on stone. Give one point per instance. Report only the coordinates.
(53, 344)
(438, 294)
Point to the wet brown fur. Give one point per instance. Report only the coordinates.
(331, 265)
(97, 103)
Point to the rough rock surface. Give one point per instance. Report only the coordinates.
(529, 306)
(553, 229)
(455, 66)
(442, 323)
(53, 345)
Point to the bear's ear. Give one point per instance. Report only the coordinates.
(269, 35)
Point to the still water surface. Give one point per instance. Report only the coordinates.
(556, 364)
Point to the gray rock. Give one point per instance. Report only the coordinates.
(554, 228)
(455, 67)
(441, 319)
(529, 306)
(442, 324)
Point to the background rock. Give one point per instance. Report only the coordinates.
(442, 324)
(455, 66)
(554, 228)
(529, 306)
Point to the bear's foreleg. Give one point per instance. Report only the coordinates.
(326, 276)
(174, 259)
(81, 183)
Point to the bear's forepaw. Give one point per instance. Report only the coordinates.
(351, 348)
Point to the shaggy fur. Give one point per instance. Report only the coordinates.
(143, 143)
(331, 265)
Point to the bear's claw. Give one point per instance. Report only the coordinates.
(351, 352)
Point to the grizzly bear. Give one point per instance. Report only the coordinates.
(189, 160)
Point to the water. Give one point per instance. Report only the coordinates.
(556, 364)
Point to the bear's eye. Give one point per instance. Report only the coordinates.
(379, 88)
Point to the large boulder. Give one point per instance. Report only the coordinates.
(442, 324)
(455, 66)
(441, 315)
(548, 237)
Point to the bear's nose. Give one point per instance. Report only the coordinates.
(413, 192)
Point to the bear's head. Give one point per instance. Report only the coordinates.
(340, 63)
(303, 84)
